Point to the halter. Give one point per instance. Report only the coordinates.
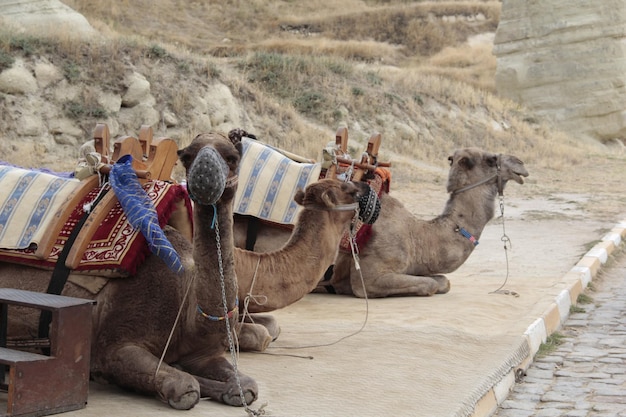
(340, 207)
(232, 181)
(497, 175)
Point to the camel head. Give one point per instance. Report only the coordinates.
(211, 162)
(331, 194)
(471, 167)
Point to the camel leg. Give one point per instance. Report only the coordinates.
(393, 284)
(218, 381)
(134, 367)
(342, 271)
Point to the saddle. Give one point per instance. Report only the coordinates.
(43, 212)
(269, 178)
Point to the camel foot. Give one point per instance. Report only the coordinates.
(235, 400)
(443, 283)
(250, 390)
(186, 401)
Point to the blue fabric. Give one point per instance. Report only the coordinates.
(141, 212)
(44, 170)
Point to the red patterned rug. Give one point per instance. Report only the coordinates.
(116, 249)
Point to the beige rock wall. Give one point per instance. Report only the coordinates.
(566, 61)
(44, 16)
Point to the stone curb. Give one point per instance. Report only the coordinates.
(537, 333)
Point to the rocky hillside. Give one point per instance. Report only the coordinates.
(55, 88)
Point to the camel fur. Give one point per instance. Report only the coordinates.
(407, 256)
(273, 280)
(133, 316)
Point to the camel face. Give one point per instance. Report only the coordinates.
(471, 166)
(229, 148)
(330, 193)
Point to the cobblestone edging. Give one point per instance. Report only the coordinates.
(553, 319)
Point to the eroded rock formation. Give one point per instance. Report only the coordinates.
(566, 61)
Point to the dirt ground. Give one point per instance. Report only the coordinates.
(435, 356)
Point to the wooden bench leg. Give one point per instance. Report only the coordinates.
(40, 385)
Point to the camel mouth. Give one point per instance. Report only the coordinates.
(517, 176)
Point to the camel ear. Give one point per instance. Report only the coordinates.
(184, 156)
(467, 163)
(492, 160)
(299, 197)
(235, 136)
(329, 198)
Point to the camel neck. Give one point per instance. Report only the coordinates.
(214, 252)
(471, 209)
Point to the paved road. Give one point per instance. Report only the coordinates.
(584, 376)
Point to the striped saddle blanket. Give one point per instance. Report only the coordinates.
(28, 202)
(268, 181)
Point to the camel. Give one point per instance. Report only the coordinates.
(273, 280)
(134, 316)
(406, 256)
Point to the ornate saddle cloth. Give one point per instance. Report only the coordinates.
(268, 181)
(117, 248)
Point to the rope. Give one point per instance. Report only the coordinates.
(251, 296)
(169, 338)
(355, 256)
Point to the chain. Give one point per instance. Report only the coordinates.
(507, 244)
(231, 341)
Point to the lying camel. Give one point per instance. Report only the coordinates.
(133, 317)
(406, 255)
(273, 280)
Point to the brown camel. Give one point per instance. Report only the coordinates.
(134, 316)
(273, 280)
(406, 255)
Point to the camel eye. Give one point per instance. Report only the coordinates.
(450, 160)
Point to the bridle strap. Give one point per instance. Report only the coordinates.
(469, 187)
(340, 207)
(232, 181)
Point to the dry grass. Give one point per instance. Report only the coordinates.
(304, 68)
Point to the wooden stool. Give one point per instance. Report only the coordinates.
(37, 384)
